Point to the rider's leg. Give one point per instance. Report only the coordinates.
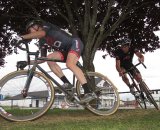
(71, 62)
(138, 77)
(126, 80)
(55, 68)
(131, 87)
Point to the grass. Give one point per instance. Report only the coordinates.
(83, 120)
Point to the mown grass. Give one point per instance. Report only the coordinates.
(84, 120)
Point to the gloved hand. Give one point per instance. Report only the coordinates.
(141, 59)
(16, 39)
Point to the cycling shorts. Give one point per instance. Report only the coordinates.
(128, 67)
(76, 48)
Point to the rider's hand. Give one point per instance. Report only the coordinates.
(141, 59)
(18, 38)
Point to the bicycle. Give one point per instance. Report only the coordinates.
(29, 86)
(142, 94)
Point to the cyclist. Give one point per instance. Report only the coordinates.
(66, 48)
(124, 55)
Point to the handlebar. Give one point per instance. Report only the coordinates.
(24, 46)
(135, 66)
(141, 63)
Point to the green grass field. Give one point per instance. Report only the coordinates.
(84, 120)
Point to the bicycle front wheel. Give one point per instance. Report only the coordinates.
(15, 107)
(107, 101)
(141, 101)
(140, 97)
(148, 94)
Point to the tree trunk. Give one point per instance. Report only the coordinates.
(88, 57)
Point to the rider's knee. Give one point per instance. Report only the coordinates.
(69, 65)
(138, 77)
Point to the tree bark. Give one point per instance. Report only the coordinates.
(88, 57)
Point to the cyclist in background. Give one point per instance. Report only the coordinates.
(66, 48)
(124, 56)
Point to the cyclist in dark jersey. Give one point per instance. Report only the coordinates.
(66, 48)
(124, 56)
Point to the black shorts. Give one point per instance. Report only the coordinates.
(128, 67)
(76, 48)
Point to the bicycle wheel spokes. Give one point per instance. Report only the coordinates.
(107, 101)
(14, 107)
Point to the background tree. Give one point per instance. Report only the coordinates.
(99, 23)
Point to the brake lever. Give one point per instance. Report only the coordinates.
(140, 62)
(144, 65)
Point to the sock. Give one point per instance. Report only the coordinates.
(86, 88)
(65, 80)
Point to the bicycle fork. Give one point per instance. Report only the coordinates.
(24, 92)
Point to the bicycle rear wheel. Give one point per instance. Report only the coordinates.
(148, 94)
(14, 107)
(107, 101)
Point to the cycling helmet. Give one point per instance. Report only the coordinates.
(125, 41)
(32, 23)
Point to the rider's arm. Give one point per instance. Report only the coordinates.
(140, 56)
(118, 67)
(34, 35)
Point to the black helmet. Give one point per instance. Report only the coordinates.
(32, 23)
(125, 41)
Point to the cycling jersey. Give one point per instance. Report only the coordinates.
(125, 58)
(60, 40)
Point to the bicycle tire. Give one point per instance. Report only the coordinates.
(141, 102)
(148, 94)
(14, 107)
(108, 101)
(140, 98)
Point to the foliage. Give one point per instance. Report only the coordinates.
(99, 23)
